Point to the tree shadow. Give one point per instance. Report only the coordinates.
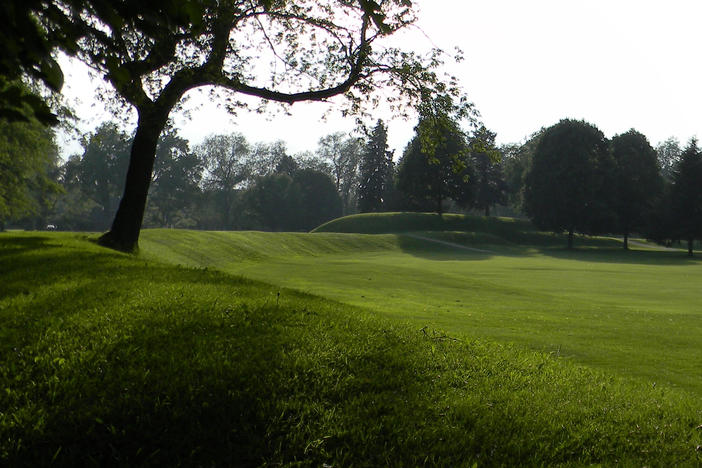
(619, 255)
(12, 244)
(460, 246)
(438, 250)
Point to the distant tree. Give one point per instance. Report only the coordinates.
(637, 181)
(567, 186)
(28, 155)
(516, 163)
(344, 154)
(281, 202)
(668, 153)
(438, 170)
(176, 182)
(376, 170)
(286, 165)
(273, 202)
(309, 160)
(227, 167)
(489, 185)
(74, 210)
(686, 195)
(319, 199)
(268, 158)
(102, 169)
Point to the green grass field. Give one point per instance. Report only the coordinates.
(633, 313)
(472, 343)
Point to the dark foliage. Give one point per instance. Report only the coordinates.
(568, 185)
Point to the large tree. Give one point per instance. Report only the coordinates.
(686, 195)
(154, 53)
(567, 187)
(227, 168)
(489, 186)
(637, 181)
(437, 169)
(343, 153)
(375, 170)
(102, 169)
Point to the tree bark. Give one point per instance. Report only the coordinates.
(570, 238)
(124, 234)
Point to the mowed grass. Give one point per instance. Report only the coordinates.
(115, 360)
(634, 314)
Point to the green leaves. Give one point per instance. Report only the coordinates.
(51, 74)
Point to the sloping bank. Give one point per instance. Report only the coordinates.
(107, 359)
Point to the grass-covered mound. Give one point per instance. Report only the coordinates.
(384, 223)
(459, 228)
(107, 359)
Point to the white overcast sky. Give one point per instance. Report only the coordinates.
(618, 64)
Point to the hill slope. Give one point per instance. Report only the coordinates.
(456, 228)
(107, 359)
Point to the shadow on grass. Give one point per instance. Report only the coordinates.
(12, 244)
(162, 366)
(468, 246)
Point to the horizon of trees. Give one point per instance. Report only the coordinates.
(227, 182)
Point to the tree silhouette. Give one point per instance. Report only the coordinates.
(567, 188)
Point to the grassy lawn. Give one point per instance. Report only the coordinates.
(632, 313)
(401, 357)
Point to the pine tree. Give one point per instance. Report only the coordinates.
(376, 162)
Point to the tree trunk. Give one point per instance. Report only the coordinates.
(124, 234)
(690, 244)
(487, 211)
(626, 240)
(570, 238)
(439, 206)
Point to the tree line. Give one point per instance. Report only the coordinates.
(226, 182)
(565, 178)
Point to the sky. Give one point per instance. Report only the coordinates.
(619, 64)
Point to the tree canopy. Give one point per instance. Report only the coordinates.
(438, 170)
(27, 155)
(637, 181)
(567, 187)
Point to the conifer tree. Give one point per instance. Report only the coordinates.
(376, 163)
